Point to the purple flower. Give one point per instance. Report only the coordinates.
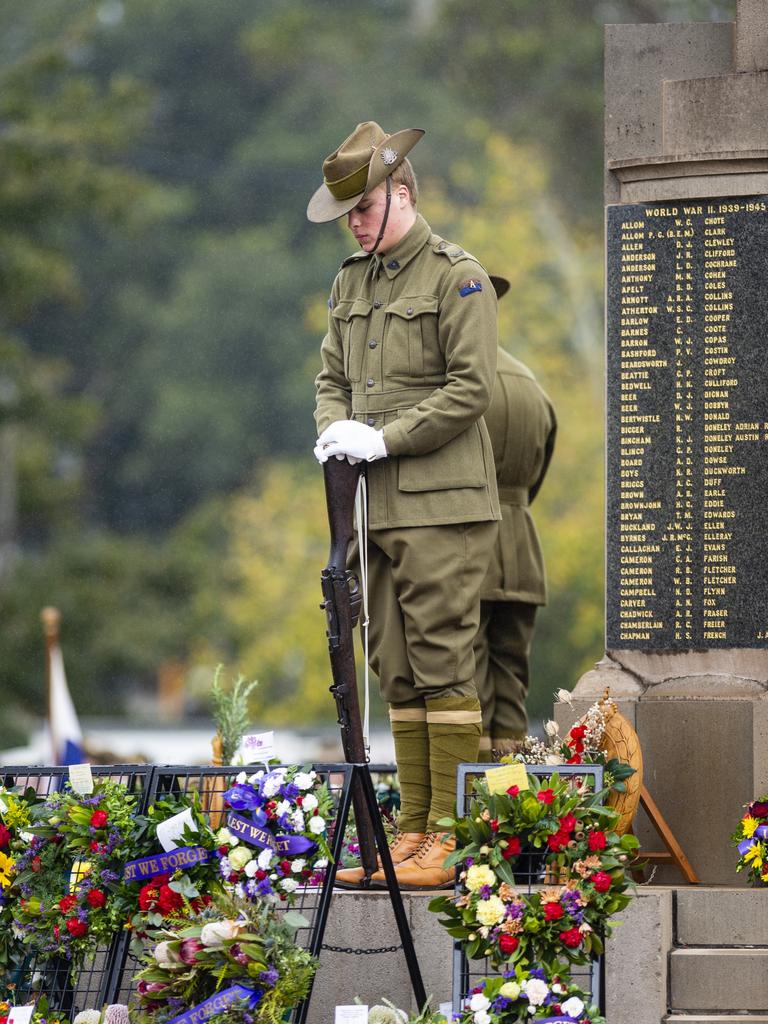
(485, 892)
(270, 977)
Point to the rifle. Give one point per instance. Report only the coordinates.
(342, 601)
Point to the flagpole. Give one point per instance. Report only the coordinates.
(51, 619)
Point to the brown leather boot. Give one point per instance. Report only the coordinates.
(404, 845)
(424, 870)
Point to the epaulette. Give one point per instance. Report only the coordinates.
(450, 250)
(355, 256)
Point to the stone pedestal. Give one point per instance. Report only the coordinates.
(687, 116)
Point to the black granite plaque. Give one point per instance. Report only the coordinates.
(687, 430)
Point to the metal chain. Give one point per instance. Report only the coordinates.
(362, 952)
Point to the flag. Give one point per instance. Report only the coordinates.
(64, 727)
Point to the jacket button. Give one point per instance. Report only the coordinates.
(409, 311)
(370, 382)
(393, 265)
(372, 343)
(377, 304)
(371, 421)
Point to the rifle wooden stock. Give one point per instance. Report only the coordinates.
(341, 602)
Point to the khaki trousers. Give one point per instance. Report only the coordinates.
(502, 648)
(424, 599)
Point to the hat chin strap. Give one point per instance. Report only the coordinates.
(385, 218)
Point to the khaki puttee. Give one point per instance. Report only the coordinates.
(407, 714)
(454, 717)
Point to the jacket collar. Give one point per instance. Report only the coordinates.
(409, 246)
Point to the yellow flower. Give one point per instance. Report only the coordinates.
(6, 870)
(510, 990)
(16, 814)
(748, 826)
(490, 911)
(755, 854)
(478, 876)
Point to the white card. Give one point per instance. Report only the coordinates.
(257, 747)
(172, 829)
(355, 1014)
(3, 806)
(446, 1009)
(20, 1014)
(80, 778)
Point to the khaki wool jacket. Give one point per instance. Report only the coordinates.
(411, 348)
(522, 425)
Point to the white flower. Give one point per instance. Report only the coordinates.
(551, 728)
(239, 891)
(218, 932)
(573, 1007)
(322, 863)
(490, 911)
(304, 780)
(283, 807)
(563, 697)
(87, 1017)
(225, 838)
(164, 954)
(298, 865)
(256, 776)
(482, 1017)
(479, 1001)
(251, 868)
(240, 778)
(553, 759)
(317, 824)
(239, 857)
(558, 989)
(536, 990)
(309, 802)
(289, 884)
(297, 820)
(265, 859)
(272, 784)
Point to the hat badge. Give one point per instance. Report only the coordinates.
(388, 155)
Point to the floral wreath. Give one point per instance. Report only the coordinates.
(751, 840)
(177, 892)
(232, 943)
(520, 995)
(70, 870)
(586, 883)
(15, 818)
(276, 832)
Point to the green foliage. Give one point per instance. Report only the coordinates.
(230, 713)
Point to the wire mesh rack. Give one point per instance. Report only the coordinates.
(70, 987)
(530, 872)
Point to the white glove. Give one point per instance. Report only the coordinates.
(350, 438)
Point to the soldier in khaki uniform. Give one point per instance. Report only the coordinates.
(408, 366)
(522, 425)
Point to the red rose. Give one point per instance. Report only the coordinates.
(168, 901)
(494, 825)
(576, 759)
(557, 841)
(96, 898)
(5, 836)
(299, 801)
(513, 791)
(578, 732)
(77, 929)
(546, 796)
(512, 848)
(223, 850)
(568, 823)
(99, 819)
(260, 875)
(36, 863)
(596, 840)
(553, 911)
(67, 902)
(285, 867)
(508, 943)
(601, 881)
(571, 938)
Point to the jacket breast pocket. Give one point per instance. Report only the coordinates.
(458, 463)
(411, 342)
(353, 317)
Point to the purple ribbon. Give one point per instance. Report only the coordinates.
(165, 863)
(254, 835)
(761, 832)
(216, 1004)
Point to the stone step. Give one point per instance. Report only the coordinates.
(720, 917)
(718, 980)
(716, 1018)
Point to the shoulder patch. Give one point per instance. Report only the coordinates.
(472, 284)
(330, 303)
